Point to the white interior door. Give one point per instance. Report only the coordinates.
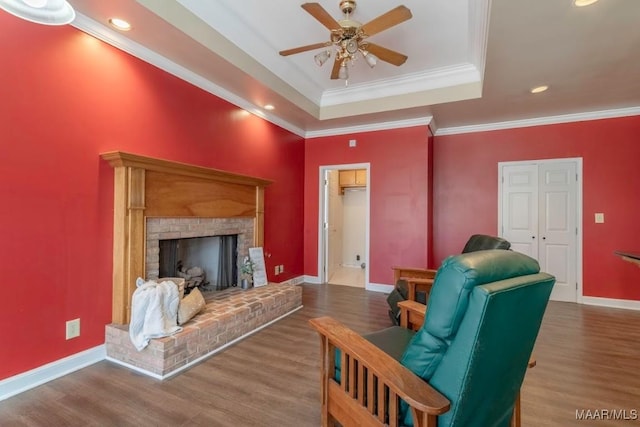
(520, 208)
(334, 224)
(558, 227)
(539, 216)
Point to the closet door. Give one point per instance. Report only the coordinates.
(558, 227)
(539, 216)
(520, 208)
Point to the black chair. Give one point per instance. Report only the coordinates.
(415, 283)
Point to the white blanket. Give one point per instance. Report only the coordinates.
(154, 311)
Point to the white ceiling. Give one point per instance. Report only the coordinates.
(590, 58)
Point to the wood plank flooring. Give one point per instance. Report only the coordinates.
(588, 358)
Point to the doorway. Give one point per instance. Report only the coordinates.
(343, 233)
(540, 213)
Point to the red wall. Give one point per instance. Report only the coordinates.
(466, 191)
(65, 98)
(399, 214)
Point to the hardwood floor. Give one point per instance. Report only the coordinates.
(588, 358)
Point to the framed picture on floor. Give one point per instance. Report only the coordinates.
(259, 269)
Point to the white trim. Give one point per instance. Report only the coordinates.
(117, 40)
(45, 373)
(541, 121)
(479, 17)
(626, 304)
(201, 358)
(445, 77)
(314, 280)
(420, 121)
(112, 37)
(379, 287)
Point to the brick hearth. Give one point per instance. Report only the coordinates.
(228, 316)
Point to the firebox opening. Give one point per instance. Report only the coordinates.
(207, 263)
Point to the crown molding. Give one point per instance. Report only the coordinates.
(226, 22)
(541, 121)
(117, 40)
(371, 127)
(409, 83)
(479, 33)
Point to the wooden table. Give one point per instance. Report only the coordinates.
(629, 256)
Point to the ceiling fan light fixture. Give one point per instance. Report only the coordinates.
(371, 59)
(322, 57)
(344, 71)
(47, 12)
(350, 38)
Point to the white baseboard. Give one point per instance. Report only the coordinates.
(379, 287)
(611, 302)
(315, 280)
(38, 376)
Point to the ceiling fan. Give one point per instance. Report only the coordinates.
(350, 37)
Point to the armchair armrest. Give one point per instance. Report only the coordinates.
(368, 376)
(412, 314)
(412, 272)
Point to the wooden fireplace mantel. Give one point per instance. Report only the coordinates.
(149, 187)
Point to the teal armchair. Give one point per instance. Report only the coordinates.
(463, 367)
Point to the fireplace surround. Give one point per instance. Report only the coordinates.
(157, 199)
(146, 188)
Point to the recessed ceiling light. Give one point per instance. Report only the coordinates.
(581, 3)
(120, 24)
(269, 107)
(539, 89)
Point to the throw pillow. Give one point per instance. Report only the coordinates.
(190, 305)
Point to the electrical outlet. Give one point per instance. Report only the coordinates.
(73, 328)
(599, 218)
(281, 268)
(277, 270)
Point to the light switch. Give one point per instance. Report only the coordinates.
(352, 143)
(599, 218)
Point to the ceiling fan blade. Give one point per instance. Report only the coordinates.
(304, 48)
(336, 69)
(387, 20)
(318, 12)
(387, 55)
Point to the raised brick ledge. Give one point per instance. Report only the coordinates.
(228, 316)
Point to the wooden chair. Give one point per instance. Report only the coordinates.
(417, 279)
(481, 325)
(415, 284)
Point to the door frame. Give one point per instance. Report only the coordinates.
(322, 212)
(579, 213)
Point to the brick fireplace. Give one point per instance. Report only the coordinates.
(146, 189)
(157, 199)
